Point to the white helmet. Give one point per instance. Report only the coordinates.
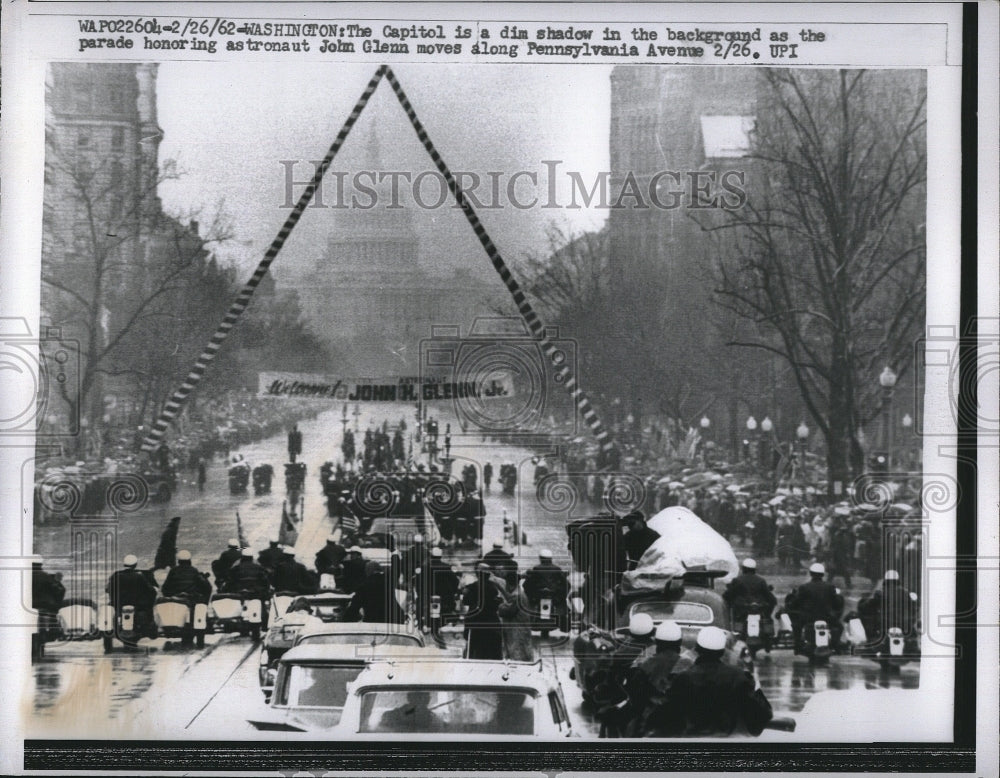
(545, 554)
(233, 543)
(130, 560)
(891, 575)
(184, 556)
(817, 568)
(641, 624)
(668, 632)
(749, 564)
(711, 639)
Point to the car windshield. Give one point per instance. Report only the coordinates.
(455, 711)
(322, 686)
(360, 639)
(681, 612)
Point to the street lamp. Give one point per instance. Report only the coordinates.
(751, 444)
(802, 433)
(765, 450)
(705, 424)
(344, 420)
(887, 380)
(907, 422)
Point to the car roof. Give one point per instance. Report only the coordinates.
(359, 628)
(457, 672)
(325, 652)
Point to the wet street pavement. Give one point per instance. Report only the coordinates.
(163, 690)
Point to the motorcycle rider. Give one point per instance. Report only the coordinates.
(650, 678)
(444, 583)
(130, 587)
(270, 557)
(226, 560)
(291, 575)
(184, 580)
(412, 560)
(548, 580)
(712, 698)
(47, 593)
(816, 600)
(248, 576)
(748, 591)
(891, 606)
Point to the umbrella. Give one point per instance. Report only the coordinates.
(733, 488)
(900, 507)
(867, 506)
(842, 510)
(697, 479)
(776, 500)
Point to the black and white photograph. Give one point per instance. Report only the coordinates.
(519, 382)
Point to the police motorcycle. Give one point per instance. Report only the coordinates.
(239, 475)
(262, 475)
(180, 617)
(239, 611)
(881, 638)
(756, 627)
(129, 624)
(76, 619)
(508, 478)
(816, 642)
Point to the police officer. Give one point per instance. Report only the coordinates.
(638, 538)
(225, 562)
(609, 692)
(184, 580)
(130, 587)
(270, 557)
(650, 678)
(748, 590)
(816, 600)
(548, 580)
(412, 560)
(291, 575)
(481, 602)
(487, 475)
(715, 699)
(502, 564)
(892, 606)
(330, 557)
(248, 576)
(47, 593)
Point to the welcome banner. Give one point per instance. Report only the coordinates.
(305, 386)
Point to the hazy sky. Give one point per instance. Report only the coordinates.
(230, 125)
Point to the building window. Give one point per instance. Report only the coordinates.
(117, 138)
(726, 137)
(83, 140)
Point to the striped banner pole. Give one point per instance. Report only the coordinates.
(523, 306)
(177, 400)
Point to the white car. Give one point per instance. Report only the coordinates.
(461, 699)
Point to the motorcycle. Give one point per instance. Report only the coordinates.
(508, 478)
(756, 628)
(239, 477)
(180, 617)
(241, 612)
(76, 619)
(890, 650)
(128, 624)
(547, 613)
(816, 642)
(262, 475)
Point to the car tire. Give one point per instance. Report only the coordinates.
(199, 640)
(108, 643)
(255, 633)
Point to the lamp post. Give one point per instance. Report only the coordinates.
(705, 424)
(802, 433)
(344, 420)
(752, 442)
(766, 426)
(887, 380)
(357, 416)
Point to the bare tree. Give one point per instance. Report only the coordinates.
(826, 261)
(114, 268)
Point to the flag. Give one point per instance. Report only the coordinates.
(166, 553)
(288, 535)
(239, 532)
